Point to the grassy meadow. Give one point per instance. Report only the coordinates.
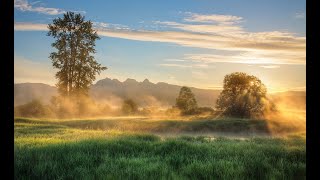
(142, 148)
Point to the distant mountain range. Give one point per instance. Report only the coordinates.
(145, 93)
(113, 91)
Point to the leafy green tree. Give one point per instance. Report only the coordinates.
(186, 101)
(75, 45)
(243, 96)
(129, 107)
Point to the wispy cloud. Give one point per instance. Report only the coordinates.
(300, 15)
(249, 58)
(271, 47)
(270, 67)
(202, 28)
(175, 60)
(24, 5)
(212, 18)
(176, 65)
(184, 65)
(21, 26)
(266, 43)
(110, 26)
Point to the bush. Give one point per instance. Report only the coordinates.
(129, 107)
(35, 108)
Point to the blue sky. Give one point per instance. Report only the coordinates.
(185, 42)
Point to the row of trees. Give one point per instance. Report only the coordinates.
(242, 96)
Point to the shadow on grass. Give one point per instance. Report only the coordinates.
(37, 129)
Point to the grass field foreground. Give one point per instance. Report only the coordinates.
(52, 149)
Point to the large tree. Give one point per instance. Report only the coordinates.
(186, 101)
(243, 96)
(75, 45)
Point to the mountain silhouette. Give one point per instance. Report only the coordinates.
(145, 93)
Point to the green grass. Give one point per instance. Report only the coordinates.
(88, 149)
(204, 126)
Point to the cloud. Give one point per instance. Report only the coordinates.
(176, 65)
(270, 47)
(109, 26)
(212, 18)
(202, 28)
(270, 67)
(20, 26)
(267, 42)
(202, 66)
(175, 60)
(100, 24)
(35, 2)
(24, 5)
(300, 15)
(249, 58)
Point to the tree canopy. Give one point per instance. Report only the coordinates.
(75, 45)
(243, 96)
(186, 101)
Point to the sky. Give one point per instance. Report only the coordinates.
(185, 42)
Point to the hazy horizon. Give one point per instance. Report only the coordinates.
(140, 81)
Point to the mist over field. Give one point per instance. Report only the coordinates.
(154, 102)
(145, 93)
(157, 141)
